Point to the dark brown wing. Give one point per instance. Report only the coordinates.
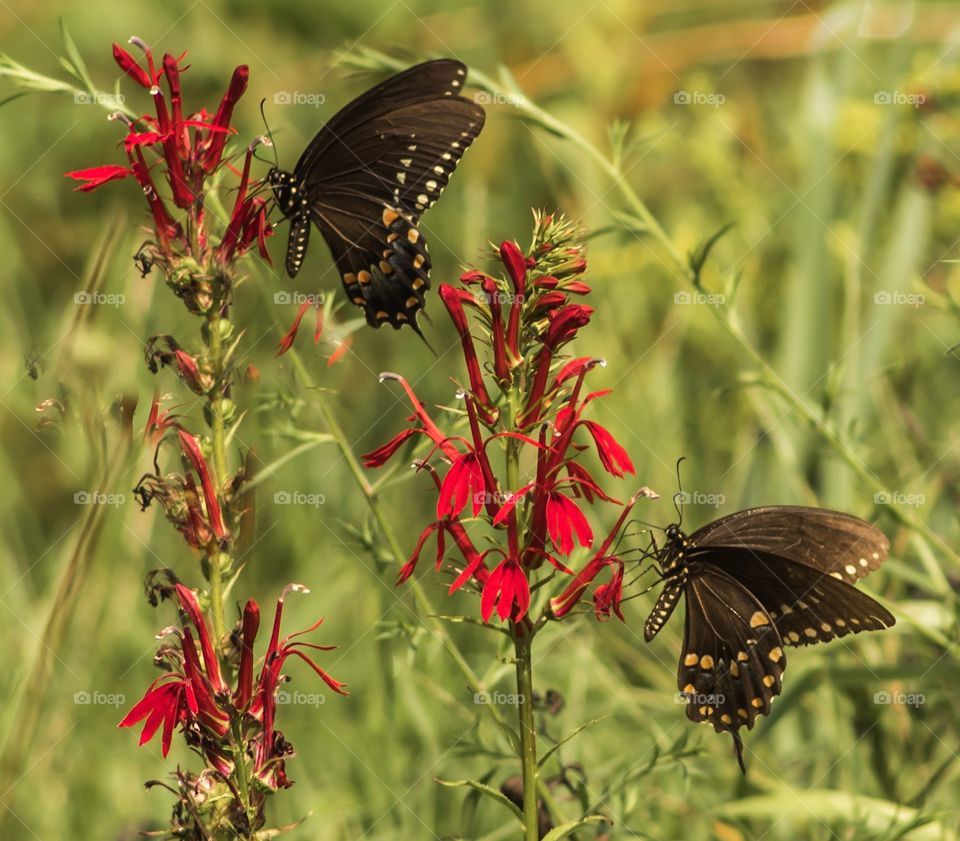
(380, 254)
(817, 537)
(806, 604)
(732, 659)
(429, 80)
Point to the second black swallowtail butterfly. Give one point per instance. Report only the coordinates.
(754, 583)
(368, 176)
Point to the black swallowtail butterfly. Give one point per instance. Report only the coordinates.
(755, 582)
(368, 176)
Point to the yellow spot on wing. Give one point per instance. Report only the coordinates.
(759, 618)
(776, 654)
(691, 660)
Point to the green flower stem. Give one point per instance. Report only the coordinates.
(522, 646)
(217, 559)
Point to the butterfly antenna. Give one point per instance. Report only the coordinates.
(266, 125)
(679, 494)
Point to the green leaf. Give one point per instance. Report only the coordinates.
(492, 793)
(76, 65)
(699, 256)
(564, 830)
(826, 806)
(567, 738)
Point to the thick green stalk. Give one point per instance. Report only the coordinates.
(219, 454)
(523, 649)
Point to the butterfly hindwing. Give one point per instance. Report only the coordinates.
(807, 604)
(732, 659)
(385, 267)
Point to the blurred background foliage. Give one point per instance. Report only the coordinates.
(828, 133)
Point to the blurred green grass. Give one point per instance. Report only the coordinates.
(821, 182)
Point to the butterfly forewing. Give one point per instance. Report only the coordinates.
(431, 79)
(826, 540)
(732, 659)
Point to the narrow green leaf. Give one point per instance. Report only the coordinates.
(484, 789)
(567, 738)
(563, 831)
(76, 65)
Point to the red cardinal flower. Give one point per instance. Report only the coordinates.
(507, 590)
(525, 319)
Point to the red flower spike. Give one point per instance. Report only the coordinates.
(383, 453)
(429, 426)
(128, 64)
(515, 265)
(236, 89)
(251, 624)
(453, 300)
(501, 367)
(190, 605)
(192, 451)
(508, 590)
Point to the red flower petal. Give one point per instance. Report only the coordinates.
(97, 175)
(564, 520)
(613, 456)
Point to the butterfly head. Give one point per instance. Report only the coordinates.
(288, 194)
(671, 556)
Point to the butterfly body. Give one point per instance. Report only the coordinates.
(369, 175)
(754, 583)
